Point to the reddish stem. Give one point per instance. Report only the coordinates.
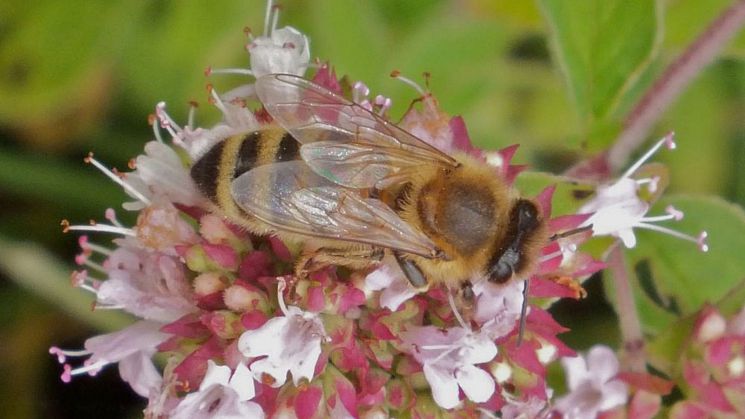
(674, 80)
(631, 329)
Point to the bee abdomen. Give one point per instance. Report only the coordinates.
(214, 172)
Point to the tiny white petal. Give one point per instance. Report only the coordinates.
(476, 383)
(444, 387)
(243, 383)
(602, 363)
(263, 341)
(138, 370)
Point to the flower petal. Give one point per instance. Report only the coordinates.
(444, 387)
(475, 382)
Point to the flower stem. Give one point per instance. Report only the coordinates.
(676, 77)
(631, 330)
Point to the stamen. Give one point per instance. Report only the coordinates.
(100, 306)
(193, 105)
(448, 350)
(383, 103)
(700, 240)
(275, 19)
(653, 182)
(248, 32)
(281, 285)
(668, 141)
(110, 215)
(62, 354)
(456, 313)
(217, 101)
(676, 213)
(268, 17)
(360, 91)
(153, 121)
(103, 228)
(238, 71)
(166, 121)
(397, 75)
(134, 192)
(93, 265)
(89, 368)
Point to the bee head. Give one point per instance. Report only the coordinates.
(519, 247)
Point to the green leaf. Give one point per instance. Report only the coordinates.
(602, 47)
(568, 197)
(35, 269)
(350, 34)
(176, 41)
(50, 180)
(672, 278)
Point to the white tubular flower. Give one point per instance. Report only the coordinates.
(221, 396)
(617, 208)
(592, 384)
(289, 343)
(448, 358)
(131, 347)
(396, 289)
(282, 50)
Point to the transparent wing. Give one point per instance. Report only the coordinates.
(292, 198)
(343, 141)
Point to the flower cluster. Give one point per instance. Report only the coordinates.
(713, 365)
(244, 337)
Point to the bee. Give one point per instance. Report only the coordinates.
(364, 188)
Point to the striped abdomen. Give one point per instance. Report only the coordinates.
(214, 172)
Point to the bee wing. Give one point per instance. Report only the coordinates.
(343, 141)
(291, 197)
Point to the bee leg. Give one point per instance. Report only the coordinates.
(412, 272)
(355, 258)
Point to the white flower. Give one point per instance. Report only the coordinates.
(498, 307)
(161, 173)
(448, 358)
(592, 387)
(221, 396)
(289, 343)
(283, 50)
(396, 288)
(617, 208)
(237, 119)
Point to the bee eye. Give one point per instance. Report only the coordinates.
(527, 215)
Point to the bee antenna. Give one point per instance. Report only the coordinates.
(523, 313)
(568, 233)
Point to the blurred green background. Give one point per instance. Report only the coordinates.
(79, 76)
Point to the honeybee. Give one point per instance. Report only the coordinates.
(362, 186)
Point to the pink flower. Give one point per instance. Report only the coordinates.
(221, 395)
(150, 285)
(131, 348)
(713, 366)
(593, 387)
